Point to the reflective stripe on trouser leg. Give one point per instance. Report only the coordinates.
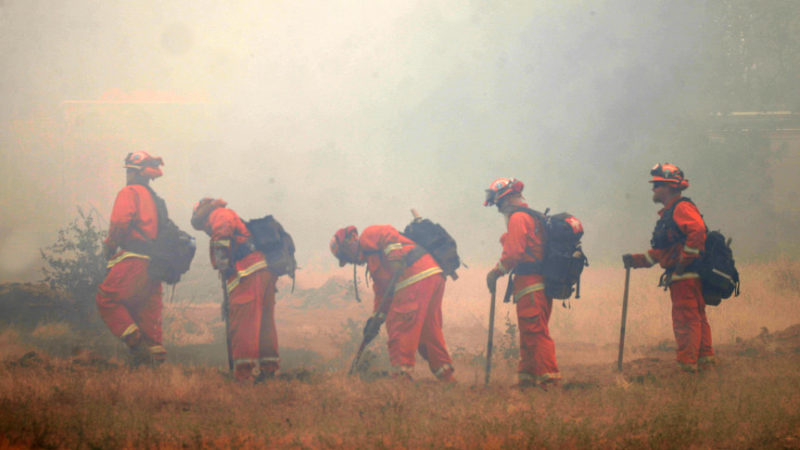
(246, 369)
(526, 378)
(158, 352)
(445, 372)
(406, 318)
(268, 333)
(689, 323)
(128, 296)
(432, 346)
(252, 323)
(537, 349)
(132, 328)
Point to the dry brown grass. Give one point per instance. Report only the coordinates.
(752, 400)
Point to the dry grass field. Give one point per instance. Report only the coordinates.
(65, 388)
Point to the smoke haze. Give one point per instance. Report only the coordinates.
(327, 114)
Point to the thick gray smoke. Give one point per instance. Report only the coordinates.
(335, 113)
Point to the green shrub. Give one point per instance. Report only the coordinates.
(75, 264)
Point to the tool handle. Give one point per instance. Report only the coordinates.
(491, 339)
(624, 318)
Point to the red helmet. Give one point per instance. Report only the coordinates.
(144, 163)
(500, 188)
(343, 242)
(669, 173)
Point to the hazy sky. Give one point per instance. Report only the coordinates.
(334, 113)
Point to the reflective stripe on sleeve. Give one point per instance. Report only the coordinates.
(691, 250)
(221, 243)
(649, 258)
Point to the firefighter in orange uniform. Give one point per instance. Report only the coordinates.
(523, 248)
(251, 290)
(678, 239)
(414, 315)
(129, 300)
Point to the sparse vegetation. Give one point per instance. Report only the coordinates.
(58, 389)
(748, 401)
(75, 263)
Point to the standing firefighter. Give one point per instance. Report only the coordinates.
(678, 240)
(129, 299)
(250, 286)
(523, 251)
(414, 311)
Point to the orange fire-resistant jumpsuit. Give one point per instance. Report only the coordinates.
(523, 243)
(414, 318)
(251, 296)
(128, 300)
(689, 322)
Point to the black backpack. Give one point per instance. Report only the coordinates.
(716, 266)
(717, 270)
(172, 251)
(436, 241)
(564, 259)
(275, 243)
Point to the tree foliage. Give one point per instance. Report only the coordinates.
(75, 263)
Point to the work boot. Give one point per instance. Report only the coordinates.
(158, 355)
(687, 368)
(402, 373)
(246, 372)
(706, 363)
(132, 338)
(445, 374)
(263, 376)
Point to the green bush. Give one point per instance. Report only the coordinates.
(75, 264)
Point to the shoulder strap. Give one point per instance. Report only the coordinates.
(668, 214)
(538, 218)
(160, 205)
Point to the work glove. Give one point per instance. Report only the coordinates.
(627, 260)
(108, 252)
(373, 325)
(491, 279)
(635, 261)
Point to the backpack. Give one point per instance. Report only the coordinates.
(275, 243)
(716, 266)
(564, 259)
(436, 241)
(172, 251)
(717, 270)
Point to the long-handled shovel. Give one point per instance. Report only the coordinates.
(491, 338)
(225, 316)
(624, 317)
